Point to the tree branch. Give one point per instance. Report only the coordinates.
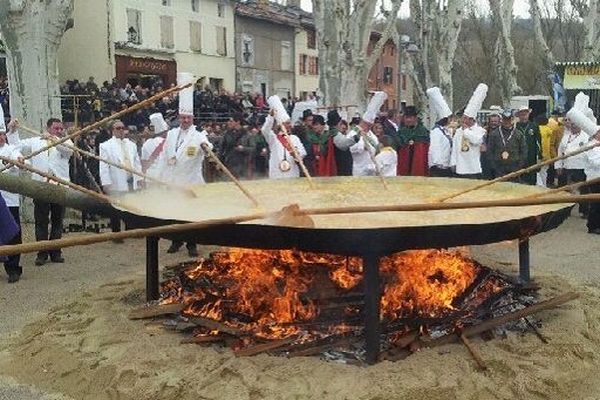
(390, 26)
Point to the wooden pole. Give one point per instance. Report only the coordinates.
(373, 160)
(46, 245)
(176, 228)
(103, 121)
(517, 202)
(102, 197)
(113, 164)
(565, 188)
(299, 160)
(222, 166)
(519, 172)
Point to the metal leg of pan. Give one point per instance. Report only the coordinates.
(152, 291)
(372, 305)
(524, 270)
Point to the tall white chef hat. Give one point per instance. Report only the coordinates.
(582, 121)
(186, 96)
(374, 106)
(476, 101)
(158, 122)
(281, 114)
(582, 103)
(438, 104)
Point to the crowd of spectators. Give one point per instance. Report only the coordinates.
(93, 102)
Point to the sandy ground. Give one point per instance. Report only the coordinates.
(65, 335)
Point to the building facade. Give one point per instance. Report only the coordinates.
(138, 40)
(384, 74)
(307, 62)
(265, 44)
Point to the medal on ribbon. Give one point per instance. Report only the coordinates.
(284, 165)
(505, 155)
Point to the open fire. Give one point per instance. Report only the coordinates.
(305, 297)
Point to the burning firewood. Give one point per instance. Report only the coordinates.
(156, 311)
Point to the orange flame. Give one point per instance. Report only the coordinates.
(274, 291)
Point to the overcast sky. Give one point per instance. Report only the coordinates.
(521, 7)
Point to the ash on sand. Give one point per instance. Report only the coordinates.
(89, 349)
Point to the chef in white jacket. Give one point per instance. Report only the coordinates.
(282, 163)
(182, 157)
(48, 217)
(364, 151)
(590, 160)
(121, 151)
(440, 143)
(387, 158)
(12, 263)
(153, 147)
(116, 181)
(467, 141)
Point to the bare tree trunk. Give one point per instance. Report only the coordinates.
(541, 44)
(343, 30)
(32, 31)
(449, 23)
(438, 24)
(502, 15)
(591, 49)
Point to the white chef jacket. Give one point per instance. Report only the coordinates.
(10, 151)
(117, 178)
(148, 149)
(440, 147)
(362, 163)
(592, 167)
(387, 159)
(467, 162)
(568, 144)
(54, 161)
(278, 153)
(182, 158)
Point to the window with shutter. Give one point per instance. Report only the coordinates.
(286, 55)
(134, 26)
(195, 36)
(221, 40)
(166, 32)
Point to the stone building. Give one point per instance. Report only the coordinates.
(265, 45)
(134, 40)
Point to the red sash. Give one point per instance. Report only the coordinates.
(284, 141)
(156, 152)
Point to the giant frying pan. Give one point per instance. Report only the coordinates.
(348, 234)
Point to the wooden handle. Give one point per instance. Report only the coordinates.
(517, 202)
(117, 115)
(47, 245)
(565, 188)
(222, 166)
(299, 160)
(520, 172)
(102, 197)
(116, 165)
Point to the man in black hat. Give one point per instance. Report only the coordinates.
(412, 145)
(237, 149)
(320, 146)
(506, 147)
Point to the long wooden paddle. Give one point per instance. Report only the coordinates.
(103, 121)
(177, 228)
(230, 175)
(519, 172)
